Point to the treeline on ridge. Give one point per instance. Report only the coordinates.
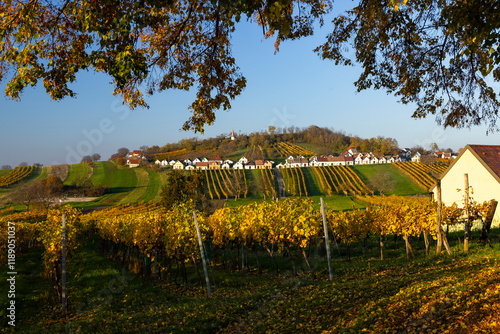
(325, 141)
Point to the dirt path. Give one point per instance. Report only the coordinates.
(281, 183)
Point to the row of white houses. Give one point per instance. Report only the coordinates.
(441, 155)
(345, 160)
(290, 162)
(215, 163)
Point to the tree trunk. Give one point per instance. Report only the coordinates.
(485, 235)
(426, 241)
(271, 253)
(409, 250)
(307, 261)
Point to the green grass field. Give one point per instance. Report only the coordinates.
(117, 179)
(403, 185)
(77, 171)
(140, 189)
(152, 192)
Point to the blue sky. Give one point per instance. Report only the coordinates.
(293, 87)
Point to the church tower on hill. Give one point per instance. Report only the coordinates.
(232, 135)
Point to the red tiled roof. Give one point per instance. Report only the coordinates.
(336, 158)
(490, 154)
(202, 164)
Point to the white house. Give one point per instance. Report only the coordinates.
(196, 160)
(136, 154)
(482, 164)
(172, 162)
(250, 165)
(352, 151)
(243, 160)
(296, 162)
(178, 165)
(190, 167)
(239, 165)
(319, 161)
(202, 165)
(416, 157)
(188, 162)
(133, 162)
(358, 159)
(225, 165)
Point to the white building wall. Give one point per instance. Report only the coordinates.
(484, 186)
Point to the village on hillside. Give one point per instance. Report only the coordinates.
(351, 157)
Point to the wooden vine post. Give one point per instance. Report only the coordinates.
(327, 241)
(439, 217)
(63, 266)
(202, 253)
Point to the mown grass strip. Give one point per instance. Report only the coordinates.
(77, 171)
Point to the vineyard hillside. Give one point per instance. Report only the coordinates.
(128, 185)
(36, 174)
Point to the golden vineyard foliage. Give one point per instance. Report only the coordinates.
(172, 230)
(286, 149)
(17, 174)
(291, 222)
(341, 179)
(422, 174)
(50, 234)
(25, 227)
